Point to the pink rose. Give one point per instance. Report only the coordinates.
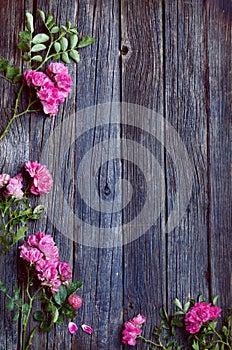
(138, 320)
(57, 68)
(64, 271)
(42, 180)
(14, 188)
(130, 333)
(4, 179)
(32, 255)
(63, 82)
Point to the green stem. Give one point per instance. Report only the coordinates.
(160, 345)
(16, 115)
(25, 344)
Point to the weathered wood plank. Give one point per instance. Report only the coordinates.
(186, 109)
(219, 38)
(142, 85)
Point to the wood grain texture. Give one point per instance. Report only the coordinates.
(162, 59)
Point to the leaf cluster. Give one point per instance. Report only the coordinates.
(14, 216)
(59, 42)
(15, 301)
(56, 307)
(9, 72)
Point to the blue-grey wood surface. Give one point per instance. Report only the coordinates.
(151, 59)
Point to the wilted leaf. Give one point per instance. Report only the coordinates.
(25, 36)
(12, 71)
(23, 46)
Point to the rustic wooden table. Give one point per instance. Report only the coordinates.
(141, 202)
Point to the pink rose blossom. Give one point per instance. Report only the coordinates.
(138, 320)
(200, 313)
(64, 271)
(32, 255)
(214, 312)
(75, 301)
(63, 82)
(4, 179)
(130, 333)
(47, 245)
(14, 188)
(28, 76)
(72, 327)
(87, 329)
(42, 180)
(57, 68)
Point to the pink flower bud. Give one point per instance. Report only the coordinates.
(75, 301)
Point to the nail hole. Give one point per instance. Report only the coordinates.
(124, 50)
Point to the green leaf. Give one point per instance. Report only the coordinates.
(57, 46)
(42, 14)
(55, 30)
(12, 71)
(61, 296)
(68, 311)
(3, 66)
(24, 47)
(37, 58)
(38, 47)
(186, 306)
(216, 347)
(50, 25)
(73, 287)
(39, 209)
(85, 41)
(40, 38)
(64, 43)
(177, 303)
(178, 313)
(26, 57)
(29, 22)
(25, 36)
(65, 58)
(59, 320)
(195, 345)
(20, 234)
(73, 40)
(64, 28)
(3, 287)
(10, 305)
(16, 293)
(56, 57)
(25, 308)
(55, 314)
(177, 323)
(73, 31)
(16, 316)
(73, 54)
(49, 19)
(45, 326)
(214, 301)
(39, 315)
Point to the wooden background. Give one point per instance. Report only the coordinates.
(173, 57)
